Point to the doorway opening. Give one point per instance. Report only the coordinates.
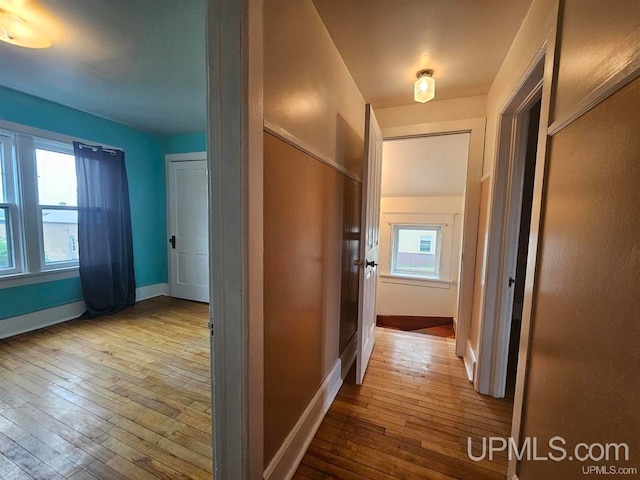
(532, 128)
(511, 238)
(421, 231)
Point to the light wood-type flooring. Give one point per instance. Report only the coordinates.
(409, 420)
(127, 397)
(122, 397)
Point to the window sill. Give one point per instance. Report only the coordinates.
(415, 281)
(21, 279)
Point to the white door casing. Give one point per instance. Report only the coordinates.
(369, 241)
(188, 229)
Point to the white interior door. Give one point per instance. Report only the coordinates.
(369, 242)
(188, 230)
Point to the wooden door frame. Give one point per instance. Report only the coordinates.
(495, 327)
(168, 159)
(475, 127)
(235, 160)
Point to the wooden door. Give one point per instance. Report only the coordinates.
(369, 242)
(189, 230)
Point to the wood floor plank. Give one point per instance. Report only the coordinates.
(410, 419)
(123, 397)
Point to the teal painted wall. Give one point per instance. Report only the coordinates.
(144, 157)
(185, 142)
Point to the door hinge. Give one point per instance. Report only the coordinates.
(210, 327)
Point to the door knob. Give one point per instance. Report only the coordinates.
(172, 241)
(371, 263)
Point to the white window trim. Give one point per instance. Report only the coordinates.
(53, 146)
(447, 275)
(415, 281)
(29, 266)
(395, 230)
(21, 279)
(13, 205)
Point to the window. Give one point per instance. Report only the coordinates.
(7, 208)
(58, 203)
(38, 205)
(416, 250)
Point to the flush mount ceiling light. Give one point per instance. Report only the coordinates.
(425, 87)
(17, 31)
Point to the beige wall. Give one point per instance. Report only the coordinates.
(401, 297)
(583, 380)
(308, 89)
(431, 112)
(529, 40)
(596, 40)
(308, 280)
(311, 212)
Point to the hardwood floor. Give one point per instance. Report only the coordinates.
(409, 420)
(122, 397)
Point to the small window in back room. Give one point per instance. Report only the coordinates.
(58, 203)
(416, 250)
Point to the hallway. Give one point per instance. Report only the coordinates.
(410, 419)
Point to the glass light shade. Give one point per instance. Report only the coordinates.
(17, 31)
(424, 89)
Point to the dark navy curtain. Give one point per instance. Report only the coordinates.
(104, 230)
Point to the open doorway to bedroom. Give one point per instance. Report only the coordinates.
(421, 232)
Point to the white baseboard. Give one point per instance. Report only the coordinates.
(51, 316)
(150, 291)
(348, 356)
(285, 462)
(40, 319)
(470, 362)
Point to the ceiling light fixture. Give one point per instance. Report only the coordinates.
(425, 87)
(17, 31)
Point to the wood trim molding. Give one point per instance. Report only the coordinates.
(409, 322)
(291, 139)
(235, 161)
(611, 85)
(151, 291)
(284, 464)
(48, 134)
(28, 322)
(185, 157)
(470, 360)
(532, 256)
(485, 178)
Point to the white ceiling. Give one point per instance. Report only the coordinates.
(142, 62)
(137, 62)
(425, 166)
(385, 42)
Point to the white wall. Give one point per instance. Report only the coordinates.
(425, 166)
(434, 111)
(398, 296)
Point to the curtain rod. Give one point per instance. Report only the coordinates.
(95, 148)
